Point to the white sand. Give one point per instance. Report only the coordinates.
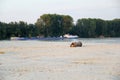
(26, 60)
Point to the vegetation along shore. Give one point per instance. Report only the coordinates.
(55, 25)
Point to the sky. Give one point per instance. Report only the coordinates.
(30, 10)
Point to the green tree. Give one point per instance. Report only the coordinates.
(32, 30)
(113, 28)
(3, 30)
(86, 27)
(67, 23)
(101, 27)
(54, 24)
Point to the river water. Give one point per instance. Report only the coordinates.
(91, 41)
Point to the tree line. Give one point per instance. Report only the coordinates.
(55, 25)
(96, 28)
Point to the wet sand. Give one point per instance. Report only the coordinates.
(58, 61)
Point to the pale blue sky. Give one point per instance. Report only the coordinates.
(30, 10)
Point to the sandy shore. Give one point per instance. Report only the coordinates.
(57, 61)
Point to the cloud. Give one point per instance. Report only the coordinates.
(30, 10)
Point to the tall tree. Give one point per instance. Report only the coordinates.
(54, 24)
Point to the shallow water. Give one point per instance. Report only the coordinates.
(6, 43)
(94, 40)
